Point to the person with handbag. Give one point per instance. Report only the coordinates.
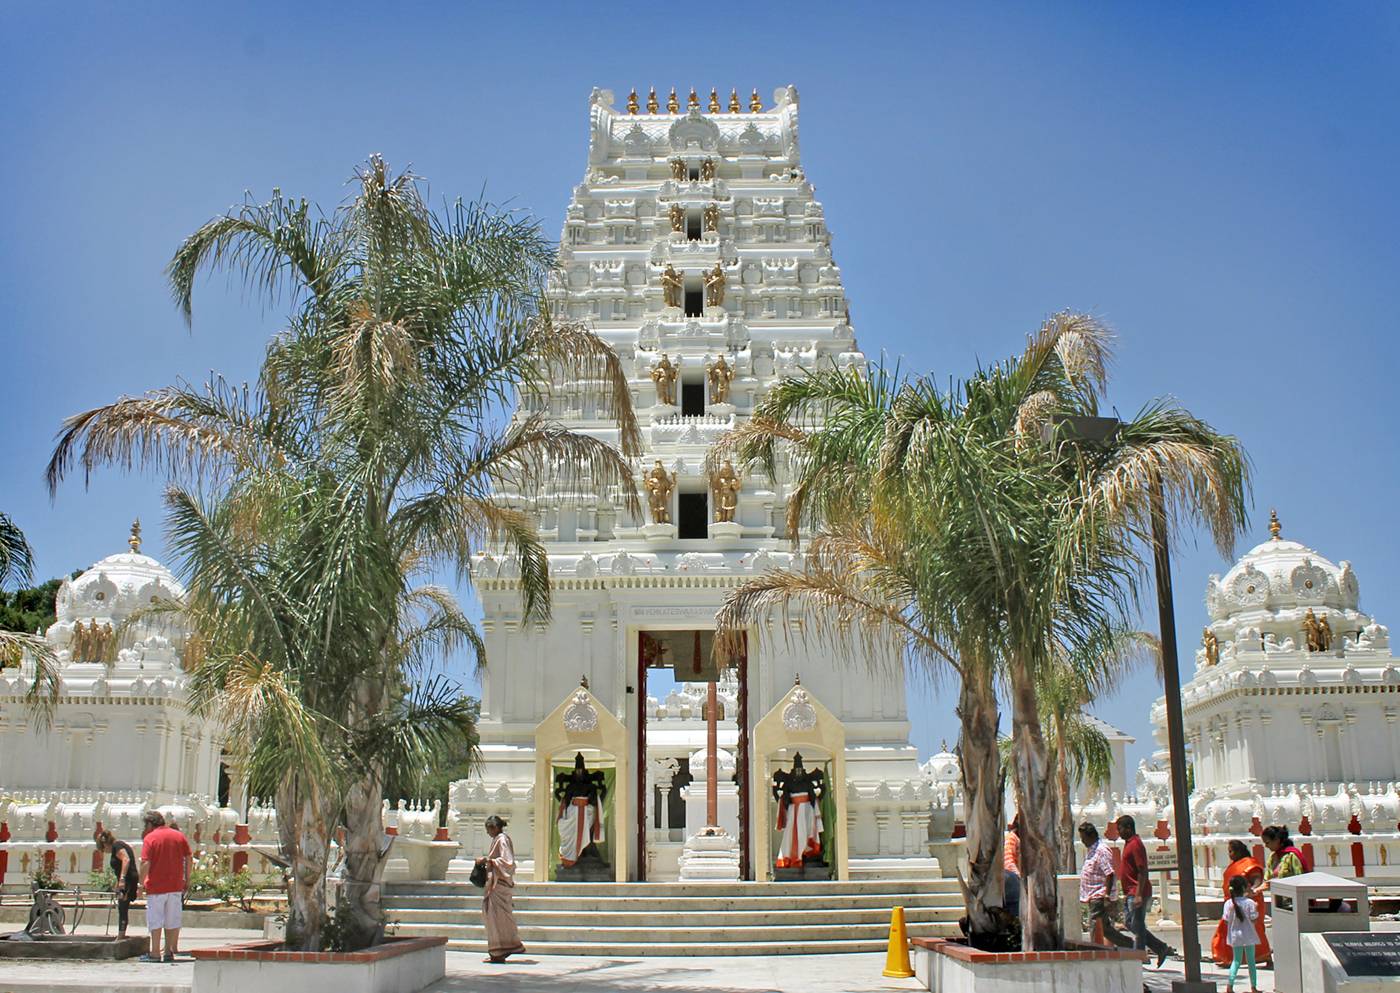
(496, 873)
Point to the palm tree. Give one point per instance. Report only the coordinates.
(1016, 549)
(403, 394)
(17, 568)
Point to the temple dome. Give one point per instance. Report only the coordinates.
(1281, 575)
(117, 586)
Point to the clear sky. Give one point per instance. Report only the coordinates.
(1218, 182)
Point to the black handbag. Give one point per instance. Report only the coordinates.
(478, 876)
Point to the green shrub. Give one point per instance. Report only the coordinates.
(44, 878)
(212, 875)
(104, 880)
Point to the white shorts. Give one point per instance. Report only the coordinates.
(163, 911)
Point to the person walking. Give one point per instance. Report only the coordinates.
(165, 875)
(1285, 858)
(123, 863)
(498, 904)
(1011, 868)
(1137, 890)
(1239, 915)
(1247, 867)
(1096, 886)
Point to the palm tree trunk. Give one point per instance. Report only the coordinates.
(1040, 926)
(1065, 836)
(303, 828)
(364, 868)
(983, 787)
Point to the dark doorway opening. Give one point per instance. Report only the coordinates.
(692, 399)
(224, 784)
(692, 225)
(694, 302)
(693, 515)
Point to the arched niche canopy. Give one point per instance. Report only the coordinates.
(579, 724)
(798, 723)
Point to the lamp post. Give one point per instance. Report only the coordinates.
(1100, 431)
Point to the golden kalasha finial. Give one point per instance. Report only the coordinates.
(652, 105)
(692, 102)
(632, 102)
(734, 105)
(135, 540)
(714, 101)
(1275, 529)
(584, 681)
(672, 104)
(755, 104)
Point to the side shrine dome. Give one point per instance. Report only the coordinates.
(95, 611)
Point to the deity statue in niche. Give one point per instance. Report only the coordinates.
(677, 216)
(672, 286)
(726, 484)
(1312, 631)
(580, 794)
(711, 216)
(798, 792)
(707, 170)
(1324, 634)
(664, 376)
(677, 167)
(1212, 646)
(714, 287)
(659, 483)
(720, 374)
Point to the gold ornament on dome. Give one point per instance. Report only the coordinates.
(659, 483)
(692, 102)
(755, 104)
(714, 101)
(632, 102)
(134, 542)
(734, 105)
(1275, 529)
(672, 104)
(652, 105)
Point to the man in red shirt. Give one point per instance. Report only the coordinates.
(165, 873)
(1137, 890)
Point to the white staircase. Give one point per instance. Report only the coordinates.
(634, 919)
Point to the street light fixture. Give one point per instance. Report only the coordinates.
(1096, 431)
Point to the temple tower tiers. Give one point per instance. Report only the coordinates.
(697, 248)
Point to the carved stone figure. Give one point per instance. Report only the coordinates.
(677, 215)
(1324, 634)
(659, 483)
(580, 794)
(714, 287)
(720, 374)
(1312, 631)
(1212, 646)
(664, 376)
(672, 286)
(711, 217)
(798, 792)
(726, 485)
(707, 170)
(678, 169)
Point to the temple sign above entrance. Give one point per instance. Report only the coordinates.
(799, 723)
(580, 725)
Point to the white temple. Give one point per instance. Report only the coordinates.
(695, 245)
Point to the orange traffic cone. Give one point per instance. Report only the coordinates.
(897, 957)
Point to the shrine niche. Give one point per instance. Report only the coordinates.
(800, 822)
(580, 776)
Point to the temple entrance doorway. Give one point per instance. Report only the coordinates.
(689, 711)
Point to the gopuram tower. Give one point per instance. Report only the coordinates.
(696, 247)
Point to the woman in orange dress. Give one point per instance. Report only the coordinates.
(1241, 864)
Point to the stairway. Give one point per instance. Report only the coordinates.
(634, 919)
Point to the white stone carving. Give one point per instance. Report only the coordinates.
(799, 714)
(580, 715)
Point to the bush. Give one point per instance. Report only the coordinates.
(212, 875)
(44, 878)
(104, 881)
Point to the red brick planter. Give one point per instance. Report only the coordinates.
(399, 965)
(952, 967)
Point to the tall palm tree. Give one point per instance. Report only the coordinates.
(412, 336)
(1021, 548)
(17, 568)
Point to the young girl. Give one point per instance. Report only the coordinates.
(1239, 915)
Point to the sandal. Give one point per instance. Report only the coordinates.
(148, 957)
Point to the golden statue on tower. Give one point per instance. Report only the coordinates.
(714, 287)
(664, 374)
(672, 286)
(659, 483)
(726, 485)
(720, 374)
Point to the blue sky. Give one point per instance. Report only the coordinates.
(1216, 183)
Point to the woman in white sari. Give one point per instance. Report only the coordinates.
(498, 905)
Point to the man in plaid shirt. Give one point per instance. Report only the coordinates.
(1096, 884)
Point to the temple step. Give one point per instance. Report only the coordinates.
(635, 919)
